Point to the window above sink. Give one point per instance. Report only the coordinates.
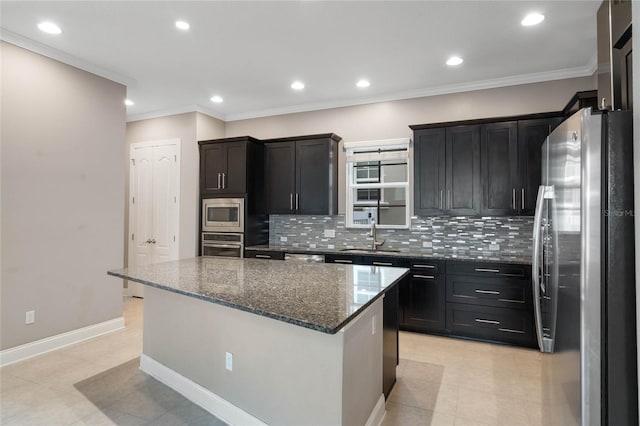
(378, 183)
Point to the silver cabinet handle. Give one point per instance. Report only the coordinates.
(513, 198)
(487, 292)
(441, 191)
(223, 176)
(291, 201)
(343, 261)
(263, 256)
(511, 300)
(297, 201)
(424, 277)
(522, 194)
(382, 263)
(219, 174)
(495, 271)
(424, 266)
(510, 330)
(484, 321)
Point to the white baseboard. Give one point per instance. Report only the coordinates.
(377, 414)
(197, 394)
(48, 344)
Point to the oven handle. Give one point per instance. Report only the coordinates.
(222, 245)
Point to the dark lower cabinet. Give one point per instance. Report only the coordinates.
(263, 254)
(390, 354)
(485, 322)
(424, 302)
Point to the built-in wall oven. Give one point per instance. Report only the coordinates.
(223, 215)
(222, 244)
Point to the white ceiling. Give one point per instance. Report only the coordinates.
(250, 52)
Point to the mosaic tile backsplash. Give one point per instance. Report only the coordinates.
(489, 235)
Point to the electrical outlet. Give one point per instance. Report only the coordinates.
(427, 244)
(494, 247)
(229, 361)
(283, 239)
(373, 325)
(330, 233)
(30, 317)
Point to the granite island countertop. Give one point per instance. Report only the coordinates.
(520, 258)
(319, 296)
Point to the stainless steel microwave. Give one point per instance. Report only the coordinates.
(223, 215)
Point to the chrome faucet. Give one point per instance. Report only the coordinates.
(374, 243)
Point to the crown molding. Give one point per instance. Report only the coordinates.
(60, 56)
(539, 77)
(185, 109)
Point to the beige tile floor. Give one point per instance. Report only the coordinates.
(441, 381)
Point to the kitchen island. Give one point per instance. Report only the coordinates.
(260, 342)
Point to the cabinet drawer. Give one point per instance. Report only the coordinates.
(499, 292)
(489, 269)
(505, 325)
(384, 261)
(343, 258)
(259, 254)
(427, 267)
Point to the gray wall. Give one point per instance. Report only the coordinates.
(189, 128)
(63, 140)
(388, 120)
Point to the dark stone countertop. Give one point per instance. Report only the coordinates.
(319, 296)
(462, 255)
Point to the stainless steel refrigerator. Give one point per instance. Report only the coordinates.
(583, 272)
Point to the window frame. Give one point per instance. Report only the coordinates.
(377, 151)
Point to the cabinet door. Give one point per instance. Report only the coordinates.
(499, 168)
(280, 177)
(212, 165)
(531, 137)
(313, 177)
(463, 195)
(235, 173)
(429, 171)
(424, 302)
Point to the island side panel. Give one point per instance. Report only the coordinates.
(362, 365)
(282, 374)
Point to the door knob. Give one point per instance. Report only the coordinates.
(148, 241)
(153, 241)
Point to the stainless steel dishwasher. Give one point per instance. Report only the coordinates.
(310, 258)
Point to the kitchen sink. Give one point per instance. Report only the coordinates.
(364, 250)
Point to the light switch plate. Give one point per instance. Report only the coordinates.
(30, 317)
(229, 361)
(330, 233)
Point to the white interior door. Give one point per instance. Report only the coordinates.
(154, 205)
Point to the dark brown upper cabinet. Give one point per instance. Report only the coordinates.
(447, 171)
(429, 174)
(229, 166)
(531, 137)
(480, 167)
(301, 175)
(499, 168)
(463, 195)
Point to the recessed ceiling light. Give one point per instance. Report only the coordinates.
(532, 19)
(363, 83)
(129, 102)
(454, 60)
(297, 85)
(217, 99)
(49, 27)
(182, 25)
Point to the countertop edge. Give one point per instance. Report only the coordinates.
(302, 250)
(262, 313)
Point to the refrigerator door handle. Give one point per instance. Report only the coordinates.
(535, 266)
